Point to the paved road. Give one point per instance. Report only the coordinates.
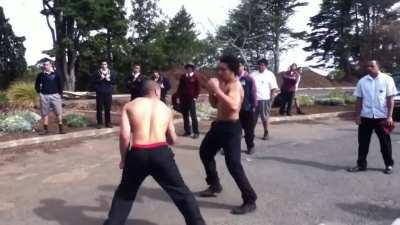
(299, 176)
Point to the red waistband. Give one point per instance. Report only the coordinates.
(150, 146)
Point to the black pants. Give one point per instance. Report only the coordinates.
(188, 107)
(228, 136)
(364, 139)
(103, 102)
(247, 120)
(160, 164)
(287, 102)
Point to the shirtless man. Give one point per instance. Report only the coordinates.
(226, 94)
(146, 130)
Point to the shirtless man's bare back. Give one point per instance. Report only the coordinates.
(146, 130)
(226, 94)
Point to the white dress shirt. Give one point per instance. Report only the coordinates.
(374, 93)
(265, 82)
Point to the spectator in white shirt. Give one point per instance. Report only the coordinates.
(267, 87)
(374, 112)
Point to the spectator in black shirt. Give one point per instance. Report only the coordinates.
(134, 82)
(103, 81)
(50, 87)
(163, 82)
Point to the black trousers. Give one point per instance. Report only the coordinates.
(160, 164)
(228, 136)
(364, 138)
(287, 102)
(248, 122)
(188, 107)
(103, 102)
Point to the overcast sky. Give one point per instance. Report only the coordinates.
(27, 21)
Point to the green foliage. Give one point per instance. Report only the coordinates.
(337, 75)
(15, 123)
(347, 32)
(22, 95)
(29, 116)
(258, 28)
(306, 100)
(3, 100)
(12, 53)
(76, 120)
(347, 97)
(331, 101)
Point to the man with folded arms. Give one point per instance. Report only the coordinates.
(374, 112)
(146, 130)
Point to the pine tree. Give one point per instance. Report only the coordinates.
(12, 53)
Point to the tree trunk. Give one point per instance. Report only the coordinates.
(277, 54)
(109, 47)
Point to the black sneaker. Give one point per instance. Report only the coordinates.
(109, 126)
(357, 169)
(266, 136)
(300, 112)
(211, 191)
(186, 135)
(244, 209)
(195, 136)
(251, 151)
(388, 170)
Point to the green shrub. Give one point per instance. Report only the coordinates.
(3, 100)
(340, 94)
(305, 100)
(22, 95)
(15, 123)
(29, 116)
(76, 120)
(331, 101)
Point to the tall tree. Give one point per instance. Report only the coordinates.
(71, 23)
(12, 53)
(143, 20)
(259, 28)
(183, 44)
(346, 32)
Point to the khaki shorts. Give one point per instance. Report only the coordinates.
(49, 103)
(263, 110)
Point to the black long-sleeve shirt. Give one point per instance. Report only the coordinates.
(104, 85)
(49, 83)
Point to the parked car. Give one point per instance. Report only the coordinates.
(396, 113)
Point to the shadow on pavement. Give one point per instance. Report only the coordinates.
(59, 211)
(318, 165)
(160, 195)
(370, 211)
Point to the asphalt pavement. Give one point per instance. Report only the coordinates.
(299, 176)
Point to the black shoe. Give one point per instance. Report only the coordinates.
(388, 170)
(44, 132)
(195, 136)
(244, 209)
(99, 126)
(109, 125)
(300, 112)
(61, 129)
(251, 151)
(186, 135)
(266, 136)
(357, 169)
(289, 114)
(212, 191)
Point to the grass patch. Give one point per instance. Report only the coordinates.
(22, 95)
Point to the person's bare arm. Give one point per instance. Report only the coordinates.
(124, 136)
(358, 111)
(390, 106)
(231, 100)
(171, 134)
(213, 100)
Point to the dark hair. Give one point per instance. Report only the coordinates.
(150, 86)
(262, 61)
(156, 69)
(103, 60)
(187, 66)
(232, 62)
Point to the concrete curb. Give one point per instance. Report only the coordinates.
(99, 132)
(308, 117)
(58, 137)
